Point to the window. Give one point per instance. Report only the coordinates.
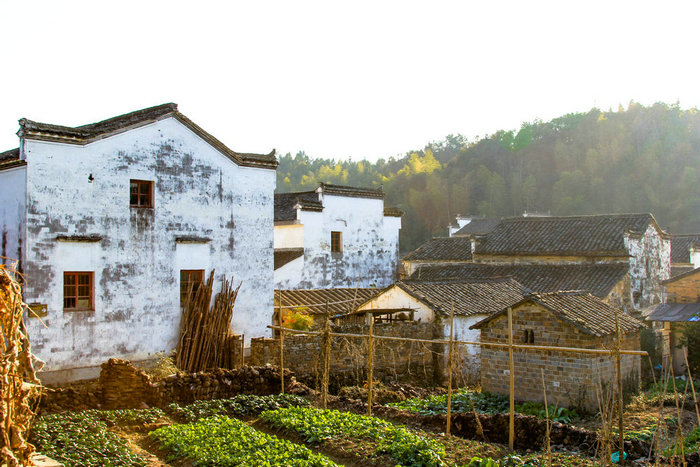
(336, 242)
(190, 280)
(141, 194)
(78, 291)
(528, 336)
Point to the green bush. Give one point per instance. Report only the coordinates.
(316, 425)
(224, 441)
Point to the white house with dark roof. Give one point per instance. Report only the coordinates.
(335, 236)
(111, 221)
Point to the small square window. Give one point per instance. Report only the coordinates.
(78, 291)
(141, 194)
(336, 242)
(190, 281)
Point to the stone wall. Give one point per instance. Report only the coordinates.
(406, 362)
(122, 386)
(684, 290)
(570, 378)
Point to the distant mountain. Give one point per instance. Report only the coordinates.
(639, 159)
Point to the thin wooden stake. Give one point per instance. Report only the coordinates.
(511, 422)
(618, 375)
(370, 365)
(450, 369)
(326, 360)
(692, 385)
(282, 362)
(242, 349)
(546, 411)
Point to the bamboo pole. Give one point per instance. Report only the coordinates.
(242, 349)
(618, 376)
(546, 411)
(282, 362)
(450, 369)
(511, 422)
(482, 344)
(692, 385)
(679, 432)
(370, 366)
(326, 361)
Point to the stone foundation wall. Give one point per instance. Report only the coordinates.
(406, 362)
(122, 386)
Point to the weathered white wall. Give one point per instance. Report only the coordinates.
(198, 192)
(650, 263)
(695, 257)
(370, 246)
(289, 236)
(13, 192)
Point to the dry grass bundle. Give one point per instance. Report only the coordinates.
(205, 335)
(19, 387)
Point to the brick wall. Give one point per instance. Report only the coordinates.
(570, 378)
(407, 362)
(684, 290)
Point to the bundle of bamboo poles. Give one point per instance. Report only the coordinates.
(19, 387)
(204, 331)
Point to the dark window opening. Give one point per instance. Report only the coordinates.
(141, 194)
(190, 281)
(336, 242)
(528, 336)
(78, 294)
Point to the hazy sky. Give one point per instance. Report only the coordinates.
(352, 79)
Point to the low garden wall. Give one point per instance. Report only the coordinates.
(406, 362)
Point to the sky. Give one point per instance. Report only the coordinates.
(342, 79)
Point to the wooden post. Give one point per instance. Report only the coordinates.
(511, 423)
(450, 368)
(370, 365)
(326, 360)
(692, 385)
(618, 376)
(242, 349)
(546, 411)
(281, 361)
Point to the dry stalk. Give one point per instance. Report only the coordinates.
(692, 385)
(679, 433)
(546, 411)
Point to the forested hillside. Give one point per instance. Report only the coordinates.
(633, 160)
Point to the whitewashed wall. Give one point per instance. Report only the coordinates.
(650, 263)
(370, 246)
(695, 257)
(13, 191)
(198, 192)
(396, 297)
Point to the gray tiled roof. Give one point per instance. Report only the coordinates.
(598, 279)
(581, 310)
(469, 297)
(351, 191)
(574, 235)
(285, 203)
(86, 133)
(314, 300)
(674, 312)
(9, 159)
(477, 227)
(680, 247)
(285, 255)
(443, 249)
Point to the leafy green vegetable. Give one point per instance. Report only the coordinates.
(316, 425)
(82, 438)
(224, 441)
(244, 404)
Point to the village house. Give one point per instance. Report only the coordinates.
(633, 240)
(682, 305)
(335, 236)
(562, 319)
(113, 221)
(434, 302)
(468, 226)
(685, 253)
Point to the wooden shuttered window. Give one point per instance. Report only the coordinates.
(78, 291)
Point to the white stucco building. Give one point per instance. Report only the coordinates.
(109, 221)
(335, 236)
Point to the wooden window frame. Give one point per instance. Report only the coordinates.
(75, 293)
(140, 203)
(336, 241)
(184, 289)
